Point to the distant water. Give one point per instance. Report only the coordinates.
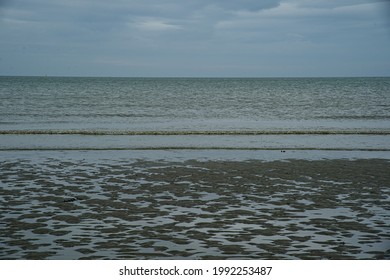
(146, 168)
(194, 112)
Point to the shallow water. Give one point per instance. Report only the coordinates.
(183, 113)
(128, 208)
(182, 142)
(135, 168)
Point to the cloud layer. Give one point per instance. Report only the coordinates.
(194, 38)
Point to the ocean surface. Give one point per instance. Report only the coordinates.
(194, 168)
(195, 113)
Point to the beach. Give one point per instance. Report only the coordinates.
(194, 168)
(120, 205)
(194, 139)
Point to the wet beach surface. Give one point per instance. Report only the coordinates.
(122, 208)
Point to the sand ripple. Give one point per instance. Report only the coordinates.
(116, 209)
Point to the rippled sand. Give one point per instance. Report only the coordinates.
(61, 208)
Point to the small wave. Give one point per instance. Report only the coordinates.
(281, 149)
(195, 132)
(357, 117)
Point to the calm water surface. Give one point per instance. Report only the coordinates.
(147, 168)
(181, 106)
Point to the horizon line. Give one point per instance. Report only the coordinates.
(190, 77)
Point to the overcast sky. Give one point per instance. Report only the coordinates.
(202, 38)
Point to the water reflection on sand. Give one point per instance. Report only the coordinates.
(83, 208)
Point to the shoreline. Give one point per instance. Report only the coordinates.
(181, 155)
(197, 142)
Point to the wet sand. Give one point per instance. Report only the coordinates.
(83, 208)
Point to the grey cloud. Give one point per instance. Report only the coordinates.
(119, 35)
(115, 13)
(251, 5)
(3, 3)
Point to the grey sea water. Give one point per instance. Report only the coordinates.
(253, 113)
(180, 168)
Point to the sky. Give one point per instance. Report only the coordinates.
(197, 38)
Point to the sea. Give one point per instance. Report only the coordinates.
(194, 168)
(71, 113)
